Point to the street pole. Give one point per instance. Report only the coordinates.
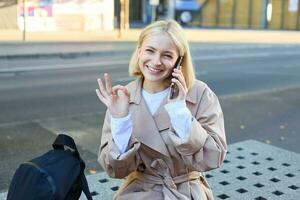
(153, 4)
(121, 18)
(126, 25)
(124, 16)
(24, 22)
(171, 9)
(153, 15)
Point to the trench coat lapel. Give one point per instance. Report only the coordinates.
(146, 129)
(161, 117)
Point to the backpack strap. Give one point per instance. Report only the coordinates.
(65, 140)
(85, 187)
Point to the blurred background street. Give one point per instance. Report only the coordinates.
(48, 78)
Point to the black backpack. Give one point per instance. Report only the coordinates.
(56, 175)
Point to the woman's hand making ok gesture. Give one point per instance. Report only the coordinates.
(115, 98)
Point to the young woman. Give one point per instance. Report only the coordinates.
(159, 144)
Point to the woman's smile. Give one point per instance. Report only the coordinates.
(154, 70)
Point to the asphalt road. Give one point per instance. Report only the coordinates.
(258, 87)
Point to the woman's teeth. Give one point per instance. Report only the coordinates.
(153, 69)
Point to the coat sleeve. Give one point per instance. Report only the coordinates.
(205, 146)
(116, 165)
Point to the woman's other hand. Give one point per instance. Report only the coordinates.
(115, 98)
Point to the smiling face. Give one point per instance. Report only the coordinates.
(157, 56)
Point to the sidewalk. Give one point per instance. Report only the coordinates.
(65, 43)
(266, 172)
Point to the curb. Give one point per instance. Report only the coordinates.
(62, 54)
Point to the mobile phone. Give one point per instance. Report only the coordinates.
(177, 66)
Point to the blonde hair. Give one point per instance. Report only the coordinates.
(174, 30)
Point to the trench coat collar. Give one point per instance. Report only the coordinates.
(135, 88)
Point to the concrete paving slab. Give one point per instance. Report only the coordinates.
(84, 134)
(268, 116)
(33, 50)
(20, 143)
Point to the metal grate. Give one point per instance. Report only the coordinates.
(257, 171)
(252, 170)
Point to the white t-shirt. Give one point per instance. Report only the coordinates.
(154, 100)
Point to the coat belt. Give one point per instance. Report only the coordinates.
(168, 183)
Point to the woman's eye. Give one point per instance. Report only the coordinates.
(168, 56)
(149, 50)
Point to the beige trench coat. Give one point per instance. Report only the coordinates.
(158, 164)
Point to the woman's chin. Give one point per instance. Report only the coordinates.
(161, 81)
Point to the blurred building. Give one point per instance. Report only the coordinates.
(245, 14)
(101, 15)
(56, 15)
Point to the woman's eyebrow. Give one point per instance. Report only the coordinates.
(151, 47)
(170, 52)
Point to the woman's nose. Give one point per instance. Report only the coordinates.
(156, 60)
